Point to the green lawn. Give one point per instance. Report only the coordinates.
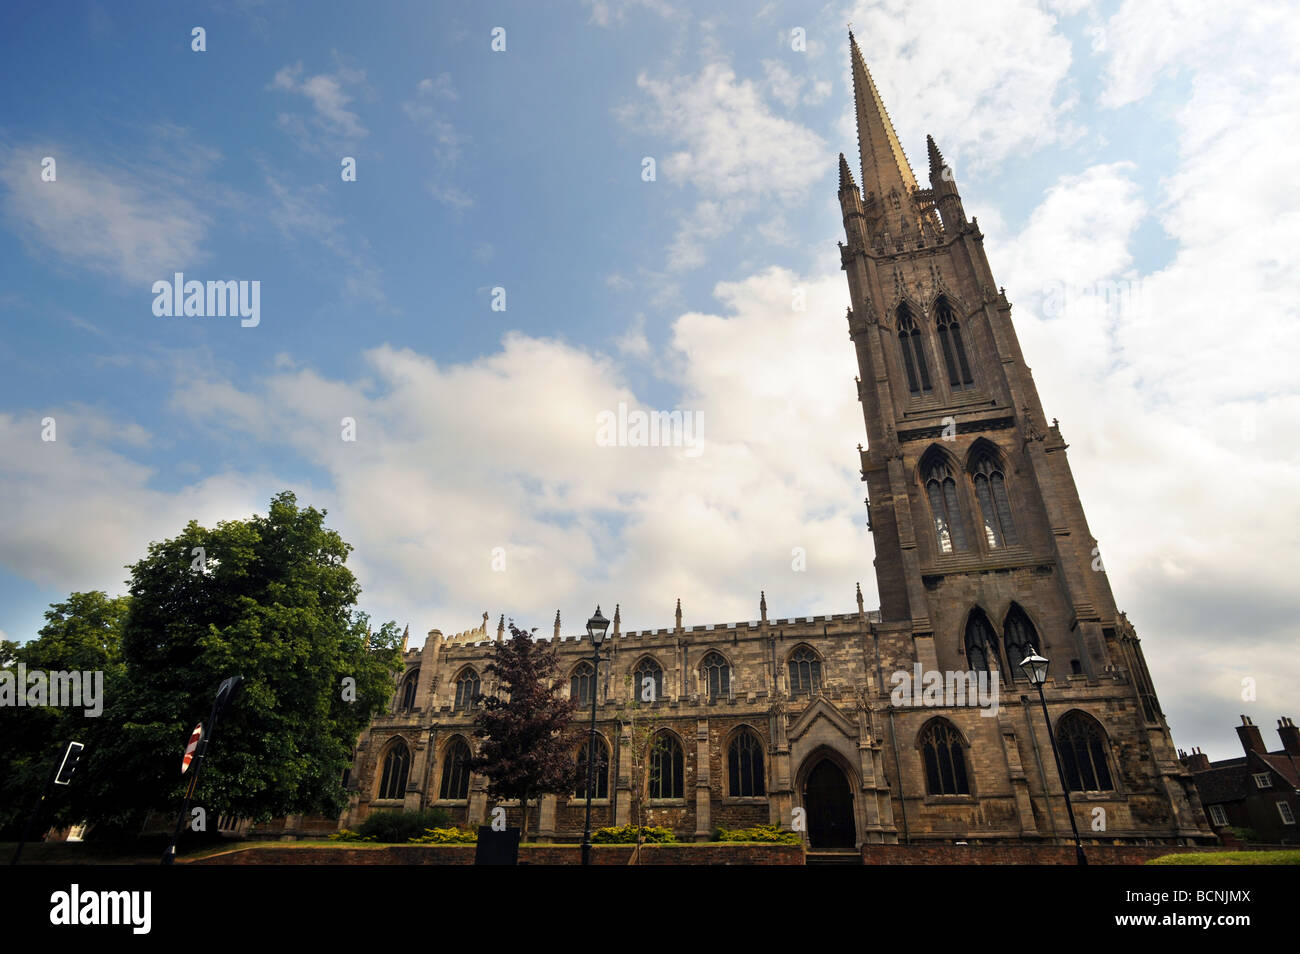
(1230, 858)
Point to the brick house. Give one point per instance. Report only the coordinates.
(1259, 791)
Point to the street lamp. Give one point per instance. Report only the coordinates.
(597, 626)
(1035, 668)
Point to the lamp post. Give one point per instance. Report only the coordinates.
(596, 628)
(1035, 667)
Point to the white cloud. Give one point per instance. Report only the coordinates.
(611, 13)
(734, 151)
(987, 80)
(123, 221)
(330, 126)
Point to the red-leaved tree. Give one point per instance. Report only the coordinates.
(525, 726)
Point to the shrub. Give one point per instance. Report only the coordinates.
(446, 836)
(346, 834)
(400, 827)
(766, 833)
(627, 835)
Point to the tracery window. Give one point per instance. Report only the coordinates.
(941, 489)
(1019, 637)
(600, 778)
(652, 691)
(805, 672)
(455, 771)
(582, 684)
(995, 506)
(467, 688)
(945, 762)
(954, 349)
(745, 766)
(981, 644)
(666, 767)
(715, 674)
(914, 364)
(1083, 753)
(408, 690)
(397, 765)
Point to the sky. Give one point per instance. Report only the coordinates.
(503, 268)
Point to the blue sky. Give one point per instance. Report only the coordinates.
(1138, 143)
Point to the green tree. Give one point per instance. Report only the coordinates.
(526, 729)
(269, 598)
(83, 634)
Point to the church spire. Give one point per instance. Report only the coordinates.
(884, 166)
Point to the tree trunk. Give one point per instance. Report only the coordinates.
(523, 833)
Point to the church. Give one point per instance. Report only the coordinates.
(983, 555)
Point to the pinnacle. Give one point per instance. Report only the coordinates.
(936, 158)
(846, 176)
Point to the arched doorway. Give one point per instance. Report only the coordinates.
(828, 801)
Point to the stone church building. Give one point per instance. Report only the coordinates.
(982, 551)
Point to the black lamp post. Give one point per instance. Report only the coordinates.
(1035, 667)
(596, 628)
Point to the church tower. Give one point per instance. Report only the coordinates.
(982, 547)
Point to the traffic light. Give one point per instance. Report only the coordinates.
(71, 756)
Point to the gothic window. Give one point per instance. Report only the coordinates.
(909, 342)
(455, 771)
(945, 762)
(1019, 638)
(954, 350)
(666, 767)
(1083, 753)
(648, 692)
(600, 778)
(942, 492)
(467, 688)
(981, 644)
(745, 765)
(805, 672)
(397, 765)
(715, 674)
(895, 201)
(995, 507)
(408, 690)
(582, 684)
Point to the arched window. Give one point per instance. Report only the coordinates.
(941, 489)
(455, 771)
(715, 674)
(995, 508)
(981, 644)
(945, 762)
(1019, 636)
(652, 691)
(467, 689)
(805, 672)
(954, 351)
(909, 341)
(745, 765)
(582, 684)
(397, 765)
(600, 778)
(666, 767)
(408, 690)
(1083, 753)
